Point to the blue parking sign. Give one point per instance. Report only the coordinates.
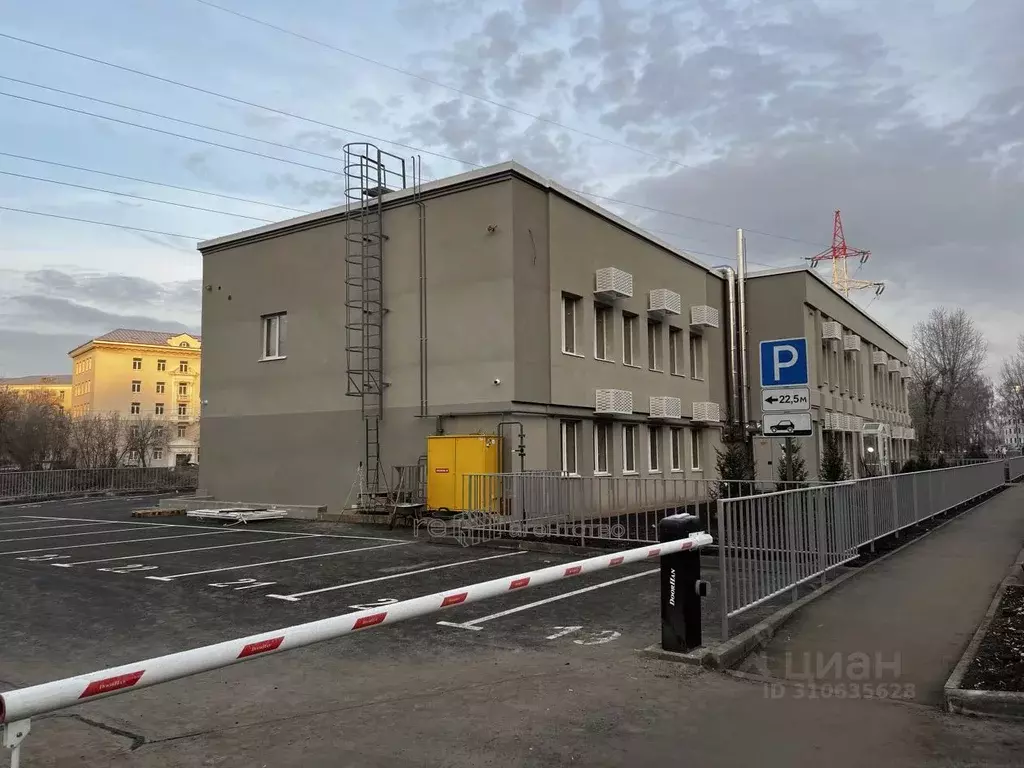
(784, 363)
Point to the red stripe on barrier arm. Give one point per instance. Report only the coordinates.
(654, 552)
(574, 571)
(454, 599)
(519, 583)
(109, 684)
(369, 621)
(617, 561)
(261, 647)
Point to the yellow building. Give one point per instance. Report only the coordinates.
(143, 374)
(58, 385)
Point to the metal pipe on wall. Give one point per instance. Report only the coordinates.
(417, 185)
(734, 390)
(741, 263)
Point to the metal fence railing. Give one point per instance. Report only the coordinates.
(772, 543)
(64, 483)
(550, 504)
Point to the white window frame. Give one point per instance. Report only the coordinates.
(182, 389)
(271, 327)
(572, 302)
(565, 427)
(629, 447)
(654, 450)
(696, 449)
(696, 357)
(136, 409)
(182, 430)
(161, 365)
(676, 351)
(183, 366)
(182, 411)
(676, 448)
(654, 351)
(161, 388)
(136, 386)
(136, 363)
(604, 336)
(602, 434)
(158, 409)
(630, 324)
(158, 454)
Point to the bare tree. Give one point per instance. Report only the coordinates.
(98, 440)
(946, 359)
(1011, 384)
(35, 429)
(144, 436)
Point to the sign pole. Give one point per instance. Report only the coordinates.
(789, 459)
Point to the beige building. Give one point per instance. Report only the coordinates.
(490, 302)
(858, 371)
(143, 374)
(58, 385)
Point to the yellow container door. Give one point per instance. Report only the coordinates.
(443, 485)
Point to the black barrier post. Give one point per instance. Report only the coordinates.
(681, 587)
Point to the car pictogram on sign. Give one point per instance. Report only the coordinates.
(783, 426)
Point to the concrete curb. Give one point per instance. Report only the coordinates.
(158, 512)
(728, 654)
(967, 701)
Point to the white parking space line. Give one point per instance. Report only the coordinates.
(299, 595)
(474, 624)
(61, 527)
(161, 554)
(247, 529)
(69, 535)
(174, 576)
(18, 522)
(109, 543)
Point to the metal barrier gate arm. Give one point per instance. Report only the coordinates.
(17, 707)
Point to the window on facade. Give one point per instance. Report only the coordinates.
(181, 430)
(182, 409)
(602, 332)
(676, 448)
(569, 431)
(182, 389)
(629, 448)
(158, 454)
(158, 409)
(696, 356)
(654, 345)
(161, 365)
(602, 447)
(273, 335)
(136, 363)
(183, 366)
(160, 387)
(630, 325)
(675, 351)
(570, 323)
(654, 449)
(136, 386)
(136, 408)
(696, 448)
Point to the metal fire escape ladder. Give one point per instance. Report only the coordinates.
(367, 179)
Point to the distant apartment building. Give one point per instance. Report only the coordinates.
(143, 375)
(59, 386)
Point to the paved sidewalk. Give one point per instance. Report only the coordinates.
(903, 624)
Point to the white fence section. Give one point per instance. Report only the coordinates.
(65, 483)
(17, 707)
(772, 543)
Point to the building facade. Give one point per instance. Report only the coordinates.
(58, 386)
(498, 302)
(859, 372)
(143, 375)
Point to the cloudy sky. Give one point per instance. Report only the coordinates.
(908, 116)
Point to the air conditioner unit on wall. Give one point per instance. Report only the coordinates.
(666, 408)
(894, 366)
(879, 358)
(612, 283)
(851, 342)
(704, 316)
(614, 401)
(707, 412)
(831, 330)
(826, 421)
(662, 301)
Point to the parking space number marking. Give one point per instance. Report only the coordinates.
(374, 604)
(241, 584)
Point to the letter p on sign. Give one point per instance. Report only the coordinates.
(784, 363)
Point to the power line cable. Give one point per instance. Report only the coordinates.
(321, 123)
(154, 183)
(133, 197)
(99, 223)
(168, 133)
(454, 89)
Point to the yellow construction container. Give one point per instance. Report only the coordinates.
(449, 459)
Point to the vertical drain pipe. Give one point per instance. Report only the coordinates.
(417, 181)
(734, 387)
(741, 263)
